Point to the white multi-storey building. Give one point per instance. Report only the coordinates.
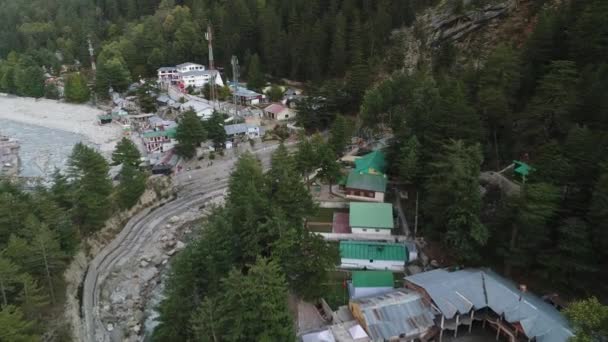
(188, 75)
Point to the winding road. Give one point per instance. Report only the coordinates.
(195, 188)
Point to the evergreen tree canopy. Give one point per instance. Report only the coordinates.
(190, 134)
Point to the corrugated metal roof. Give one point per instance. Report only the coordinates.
(372, 215)
(397, 313)
(371, 163)
(460, 291)
(369, 250)
(238, 128)
(373, 279)
(367, 182)
(170, 132)
(275, 108)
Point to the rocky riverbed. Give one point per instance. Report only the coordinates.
(127, 293)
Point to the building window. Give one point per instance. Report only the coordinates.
(371, 260)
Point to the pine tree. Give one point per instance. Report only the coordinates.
(76, 88)
(528, 224)
(29, 79)
(132, 186)
(31, 297)
(589, 318)
(45, 257)
(262, 288)
(255, 77)
(305, 158)
(409, 164)
(598, 215)
(572, 260)
(551, 108)
(92, 188)
(329, 169)
(249, 207)
(337, 58)
(287, 191)
(305, 258)
(453, 200)
(215, 129)
(190, 134)
(112, 71)
(126, 153)
(14, 327)
(339, 134)
(8, 278)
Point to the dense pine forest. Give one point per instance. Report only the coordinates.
(540, 98)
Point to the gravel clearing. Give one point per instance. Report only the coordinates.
(79, 119)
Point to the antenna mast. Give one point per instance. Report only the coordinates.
(212, 81)
(235, 74)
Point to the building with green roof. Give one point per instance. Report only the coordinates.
(372, 255)
(170, 133)
(370, 283)
(365, 187)
(372, 163)
(371, 218)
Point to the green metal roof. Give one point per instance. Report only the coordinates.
(373, 279)
(522, 168)
(372, 215)
(371, 163)
(366, 181)
(171, 133)
(104, 117)
(370, 250)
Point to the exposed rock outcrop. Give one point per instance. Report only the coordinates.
(459, 26)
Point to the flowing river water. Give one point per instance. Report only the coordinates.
(41, 149)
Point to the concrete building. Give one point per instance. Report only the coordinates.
(233, 131)
(371, 255)
(188, 75)
(277, 111)
(371, 218)
(203, 109)
(370, 283)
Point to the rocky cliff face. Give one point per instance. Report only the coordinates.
(472, 29)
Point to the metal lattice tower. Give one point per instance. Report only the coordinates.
(212, 80)
(235, 74)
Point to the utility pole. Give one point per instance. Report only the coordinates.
(93, 68)
(92, 55)
(209, 37)
(416, 217)
(235, 74)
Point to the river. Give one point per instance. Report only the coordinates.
(41, 149)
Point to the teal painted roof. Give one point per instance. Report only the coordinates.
(522, 168)
(372, 215)
(364, 181)
(373, 279)
(104, 117)
(371, 163)
(171, 133)
(370, 250)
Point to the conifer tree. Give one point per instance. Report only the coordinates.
(190, 134)
(238, 306)
(126, 153)
(14, 327)
(255, 77)
(76, 88)
(92, 188)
